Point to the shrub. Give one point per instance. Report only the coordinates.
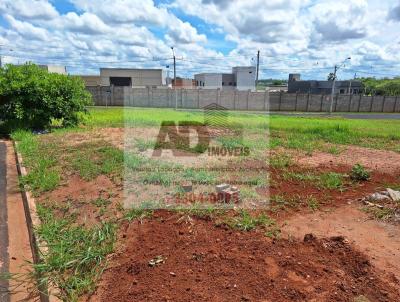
(359, 173)
(32, 98)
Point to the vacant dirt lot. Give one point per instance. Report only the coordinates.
(312, 240)
(208, 263)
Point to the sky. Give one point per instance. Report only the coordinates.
(293, 36)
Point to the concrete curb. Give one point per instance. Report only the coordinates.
(32, 221)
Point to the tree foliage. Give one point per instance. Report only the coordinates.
(389, 87)
(331, 76)
(30, 97)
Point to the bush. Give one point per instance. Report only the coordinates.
(359, 173)
(32, 98)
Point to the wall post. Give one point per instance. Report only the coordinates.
(280, 101)
(395, 104)
(322, 101)
(265, 100)
(351, 98)
(247, 100)
(372, 102)
(234, 100)
(112, 96)
(198, 98)
(308, 101)
(336, 101)
(359, 103)
(383, 103)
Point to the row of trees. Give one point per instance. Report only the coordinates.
(32, 98)
(373, 86)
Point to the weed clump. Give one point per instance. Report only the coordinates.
(359, 173)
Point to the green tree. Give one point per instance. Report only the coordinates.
(32, 98)
(386, 86)
(331, 76)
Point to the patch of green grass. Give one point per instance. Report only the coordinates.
(43, 174)
(74, 256)
(313, 203)
(331, 180)
(297, 176)
(41, 179)
(248, 193)
(85, 166)
(143, 144)
(280, 161)
(380, 214)
(158, 177)
(305, 133)
(359, 173)
(199, 176)
(246, 222)
(260, 180)
(93, 159)
(137, 214)
(101, 202)
(281, 202)
(199, 210)
(230, 142)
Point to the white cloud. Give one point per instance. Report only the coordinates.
(37, 9)
(145, 13)
(86, 23)
(339, 20)
(394, 13)
(26, 29)
(293, 35)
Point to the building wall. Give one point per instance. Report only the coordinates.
(91, 80)
(324, 87)
(139, 77)
(185, 83)
(242, 78)
(54, 68)
(245, 77)
(209, 80)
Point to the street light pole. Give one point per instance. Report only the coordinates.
(176, 95)
(333, 89)
(334, 83)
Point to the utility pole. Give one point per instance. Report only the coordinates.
(176, 95)
(258, 67)
(168, 78)
(333, 89)
(334, 83)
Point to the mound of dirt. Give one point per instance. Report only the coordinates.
(173, 258)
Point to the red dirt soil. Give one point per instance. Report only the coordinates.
(378, 160)
(207, 263)
(378, 240)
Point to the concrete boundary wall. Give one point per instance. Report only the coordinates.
(240, 100)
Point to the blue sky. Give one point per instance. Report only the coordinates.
(301, 36)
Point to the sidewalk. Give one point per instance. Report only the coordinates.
(15, 248)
